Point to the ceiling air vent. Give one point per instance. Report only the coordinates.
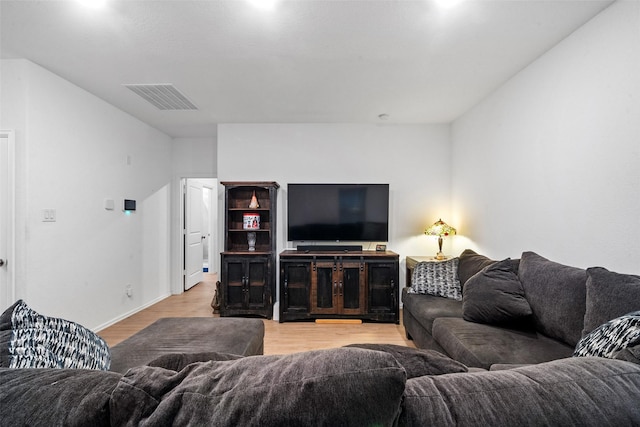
(163, 96)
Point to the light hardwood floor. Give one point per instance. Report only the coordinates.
(280, 338)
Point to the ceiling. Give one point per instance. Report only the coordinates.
(305, 61)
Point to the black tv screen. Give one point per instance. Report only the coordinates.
(338, 212)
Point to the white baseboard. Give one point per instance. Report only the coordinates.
(129, 313)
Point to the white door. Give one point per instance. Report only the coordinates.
(193, 234)
(7, 291)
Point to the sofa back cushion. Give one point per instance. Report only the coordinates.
(609, 295)
(471, 263)
(557, 296)
(494, 295)
(55, 397)
(630, 354)
(341, 386)
(568, 392)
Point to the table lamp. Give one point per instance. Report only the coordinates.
(440, 228)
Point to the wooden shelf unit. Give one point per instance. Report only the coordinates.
(247, 279)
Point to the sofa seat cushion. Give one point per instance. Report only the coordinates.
(56, 397)
(481, 345)
(586, 392)
(418, 334)
(244, 337)
(342, 386)
(426, 308)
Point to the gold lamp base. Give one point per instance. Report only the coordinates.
(440, 255)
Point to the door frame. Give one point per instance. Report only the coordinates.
(10, 218)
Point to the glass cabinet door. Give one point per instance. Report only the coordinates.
(382, 287)
(235, 279)
(337, 288)
(256, 282)
(323, 287)
(296, 281)
(350, 286)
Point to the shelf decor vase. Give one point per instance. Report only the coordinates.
(251, 239)
(253, 204)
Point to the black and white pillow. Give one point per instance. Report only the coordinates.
(31, 340)
(610, 338)
(439, 278)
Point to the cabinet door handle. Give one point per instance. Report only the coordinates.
(340, 288)
(335, 288)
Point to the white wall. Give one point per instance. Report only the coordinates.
(412, 159)
(549, 162)
(72, 152)
(190, 158)
(194, 157)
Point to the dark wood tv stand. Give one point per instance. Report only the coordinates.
(339, 284)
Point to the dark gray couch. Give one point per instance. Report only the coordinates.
(566, 303)
(358, 385)
(336, 387)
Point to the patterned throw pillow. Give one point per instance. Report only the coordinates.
(439, 278)
(31, 340)
(610, 338)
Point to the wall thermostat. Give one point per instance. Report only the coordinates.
(129, 205)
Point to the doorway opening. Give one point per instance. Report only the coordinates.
(199, 225)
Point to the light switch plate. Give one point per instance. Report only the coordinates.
(109, 204)
(49, 215)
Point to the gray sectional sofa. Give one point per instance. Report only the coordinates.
(335, 387)
(492, 325)
(357, 385)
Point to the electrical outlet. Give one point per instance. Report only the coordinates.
(129, 290)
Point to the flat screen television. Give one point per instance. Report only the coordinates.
(338, 212)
